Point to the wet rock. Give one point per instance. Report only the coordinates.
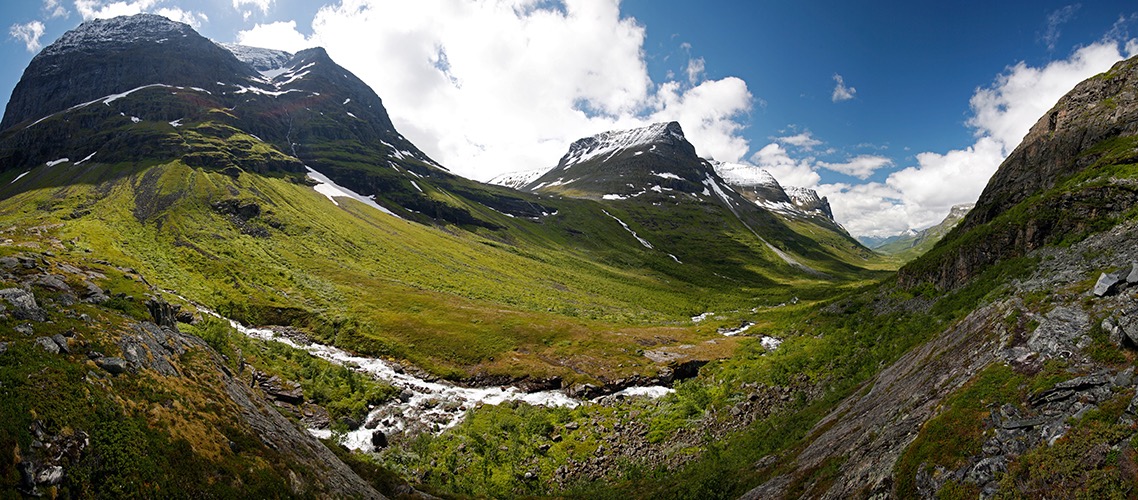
(379, 439)
(27, 478)
(48, 345)
(349, 422)
(113, 365)
(23, 304)
(50, 476)
(1106, 284)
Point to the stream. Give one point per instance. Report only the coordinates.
(421, 405)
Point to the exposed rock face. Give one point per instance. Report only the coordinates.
(871, 431)
(1060, 144)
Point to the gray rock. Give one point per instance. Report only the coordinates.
(24, 304)
(1106, 283)
(48, 345)
(113, 365)
(26, 329)
(51, 281)
(9, 262)
(3, 347)
(61, 341)
(1132, 278)
(93, 294)
(1125, 377)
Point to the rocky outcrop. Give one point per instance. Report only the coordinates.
(871, 430)
(1078, 131)
(23, 304)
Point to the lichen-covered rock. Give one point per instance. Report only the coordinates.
(23, 304)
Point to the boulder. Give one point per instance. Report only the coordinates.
(23, 304)
(93, 294)
(113, 365)
(61, 341)
(379, 439)
(1106, 283)
(1132, 278)
(48, 344)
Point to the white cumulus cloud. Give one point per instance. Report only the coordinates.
(804, 140)
(261, 5)
(194, 19)
(842, 92)
(281, 35)
(921, 195)
(99, 9)
(493, 86)
(28, 33)
(861, 166)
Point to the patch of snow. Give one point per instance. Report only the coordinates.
(53, 163)
(356, 117)
(346, 101)
(332, 190)
(419, 188)
(135, 119)
(675, 259)
(629, 229)
(243, 89)
(667, 175)
(88, 157)
(638, 153)
(176, 123)
(701, 317)
(614, 197)
(18, 177)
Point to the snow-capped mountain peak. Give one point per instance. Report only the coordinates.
(738, 174)
(122, 29)
(608, 144)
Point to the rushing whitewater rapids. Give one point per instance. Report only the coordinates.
(421, 405)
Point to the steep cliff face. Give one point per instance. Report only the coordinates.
(1057, 185)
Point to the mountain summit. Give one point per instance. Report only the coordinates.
(626, 163)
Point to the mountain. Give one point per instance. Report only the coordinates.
(910, 245)
(197, 277)
(151, 179)
(1020, 315)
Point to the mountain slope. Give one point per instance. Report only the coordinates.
(907, 247)
(1032, 392)
(656, 172)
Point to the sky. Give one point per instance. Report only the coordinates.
(894, 110)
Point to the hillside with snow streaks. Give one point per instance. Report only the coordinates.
(608, 144)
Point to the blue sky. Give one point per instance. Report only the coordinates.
(895, 110)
